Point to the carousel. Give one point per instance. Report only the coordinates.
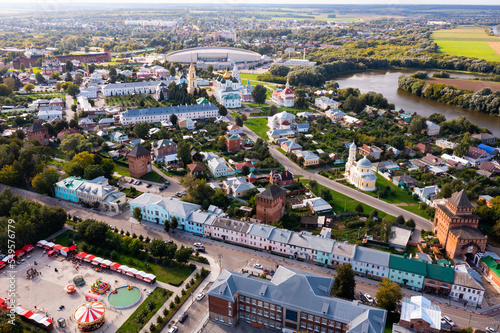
(90, 316)
(70, 288)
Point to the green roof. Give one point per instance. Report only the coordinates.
(232, 137)
(70, 183)
(408, 265)
(492, 264)
(440, 273)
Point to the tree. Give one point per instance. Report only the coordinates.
(374, 213)
(182, 255)
(39, 78)
(170, 250)
(184, 152)
(344, 283)
(137, 214)
(238, 121)
(210, 68)
(166, 226)
(75, 143)
(59, 86)
(44, 181)
(171, 71)
(223, 111)
(11, 83)
(273, 110)
(174, 223)
(141, 130)
(157, 248)
(173, 119)
(410, 223)
(417, 125)
(55, 76)
(400, 219)
(245, 170)
(5, 90)
(359, 208)
(385, 229)
(462, 148)
(68, 77)
(389, 294)
(29, 88)
(93, 232)
(326, 194)
(69, 66)
(73, 90)
(259, 94)
(9, 175)
(93, 171)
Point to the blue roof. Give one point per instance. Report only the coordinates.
(486, 148)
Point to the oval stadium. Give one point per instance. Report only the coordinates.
(218, 57)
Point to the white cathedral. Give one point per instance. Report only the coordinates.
(360, 173)
(228, 88)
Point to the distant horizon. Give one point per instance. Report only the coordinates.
(287, 3)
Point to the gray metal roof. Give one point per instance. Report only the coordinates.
(375, 257)
(169, 110)
(311, 294)
(260, 230)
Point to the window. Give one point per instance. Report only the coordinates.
(266, 305)
(278, 317)
(266, 313)
(230, 321)
(260, 303)
(323, 321)
(229, 313)
(272, 315)
(254, 302)
(259, 311)
(230, 305)
(303, 315)
(316, 319)
(242, 307)
(278, 308)
(311, 317)
(247, 308)
(309, 326)
(303, 324)
(338, 325)
(254, 310)
(247, 316)
(242, 315)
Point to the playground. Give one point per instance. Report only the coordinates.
(55, 289)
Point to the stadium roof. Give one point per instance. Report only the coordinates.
(213, 54)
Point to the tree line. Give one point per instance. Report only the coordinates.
(484, 100)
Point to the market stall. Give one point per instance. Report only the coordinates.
(41, 243)
(105, 263)
(89, 258)
(114, 266)
(28, 248)
(80, 255)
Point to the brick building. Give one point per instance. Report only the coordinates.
(38, 132)
(233, 142)
(270, 204)
(293, 299)
(456, 227)
(139, 161)
(164, 147)
(284, 178)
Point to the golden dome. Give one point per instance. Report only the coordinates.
(227, 76)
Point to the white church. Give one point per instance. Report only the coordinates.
(360, 173)
(228, 89)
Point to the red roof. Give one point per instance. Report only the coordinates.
(51, 252)
(27, 248)
(115, 264)
(287, 91)
(57, 247)
(238, 166)
(65, 249)
(2, 264)
(81, 255)
(28, 314)
(90, 256)
(19, 253)
(73, 247)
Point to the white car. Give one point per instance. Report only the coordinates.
(200, 296)
(490, 330)
(172, 329)
(369, 298)
(258, 266)
(448, 319)
(198, 244)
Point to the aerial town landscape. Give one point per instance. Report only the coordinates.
(249, 167)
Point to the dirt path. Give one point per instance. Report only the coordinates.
(495, 46)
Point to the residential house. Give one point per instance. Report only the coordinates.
(217, 167)
(491, 268)
(196, 169)
(66, 131)
(186, 123)
(420, 315)
(237, 186)
(467, 286)
(423, 148)
(372, 151)
(234, 130)
(324, 103)
(431, 160)
(119, 137)
(161, 114)
(410, 152)
(427, 194)
(49, 115)
(239, 166)
(310, 158)
(445, 144)
(407, 272)
(485, 138)
(490, 150)
(385, 166)
(476, 156)
(283, 178)
(405, 181)
(164, 149)
(370, 262)
(336, 158)
(86, 123)
(335, 115)
(280, 133)
(493, 166)
(318, 205)
(233, 142)
(432, 129)
(400, 236)
(290, 145)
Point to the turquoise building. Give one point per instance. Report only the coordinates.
(407, 272)
(66, 188)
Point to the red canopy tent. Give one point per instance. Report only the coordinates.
(81, 255)
(73, 247)
(28, 314)
(2, 264)
(19, 253)
(89, 258)
(64, 251)
(51, 252)
(57, 247)
(28, 248)
(114, 266)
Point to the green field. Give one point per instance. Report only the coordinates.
(259, 126)
(467, 41)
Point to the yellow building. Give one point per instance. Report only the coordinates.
(360, 173)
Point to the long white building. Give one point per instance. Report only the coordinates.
(157, 115)
(144, 87)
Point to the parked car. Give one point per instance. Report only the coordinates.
(491, 330)
(200, 296)
(369, 298)
(167, 182)
(266, 271)
(361, 297)
(130, 181)
(448, 319)
(271, 272)
(258, 266)
(172, 329)
(198, 244)
(139, 182)
(183, 317)
(148, 186)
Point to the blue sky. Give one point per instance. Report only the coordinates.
(236, 2)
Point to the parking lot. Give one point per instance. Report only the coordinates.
(171, 190)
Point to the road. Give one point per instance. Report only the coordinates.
(233, 257)
(420, 222)
(69, 113)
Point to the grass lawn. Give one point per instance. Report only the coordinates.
(467, 41)
(342, 203)
(400, 196)
(122, 170)
(145, 311)
(248, 76)
(281, 151)
(127, 193)
(259, 126)
(152, 177)
(174, 274)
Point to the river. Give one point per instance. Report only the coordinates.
(385, 82)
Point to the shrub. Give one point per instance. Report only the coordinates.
(172, 305)
(148, 239)
(183, 292)
(134, 235)
(152, 327)
(177, 299)
(113, 255)
(165, 311)
(159, 319)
